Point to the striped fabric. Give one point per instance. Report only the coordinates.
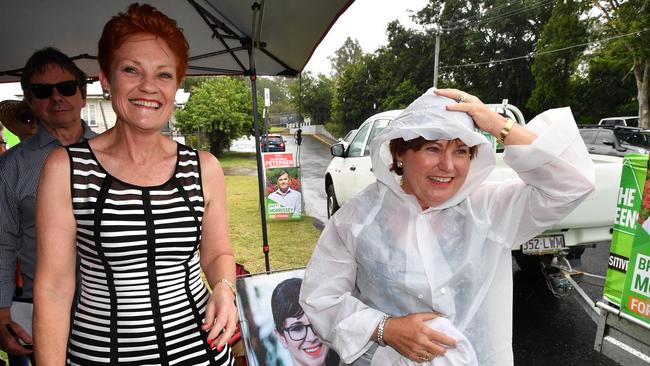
(142, 299)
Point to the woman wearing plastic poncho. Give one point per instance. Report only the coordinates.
(437, 239)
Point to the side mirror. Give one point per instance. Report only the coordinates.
(337, 150)
(608, 142)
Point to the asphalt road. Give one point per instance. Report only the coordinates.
(548, 331)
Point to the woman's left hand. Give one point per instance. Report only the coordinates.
(220, 317)
(485, 118)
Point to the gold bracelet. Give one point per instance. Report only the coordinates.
(229, 284)
(505, 130)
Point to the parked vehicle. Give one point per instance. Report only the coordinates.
(348, 137)
(350, 171)
(272, 143)
(629, 121)
(617, 141)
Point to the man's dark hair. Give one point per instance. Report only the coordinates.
(284, 302)
(282, 172)
(45, 57)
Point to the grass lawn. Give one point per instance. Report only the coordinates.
(238, 160)
(290, 242)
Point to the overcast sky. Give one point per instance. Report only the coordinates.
(365, 20)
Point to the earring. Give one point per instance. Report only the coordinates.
(399, 164)
(106, 94)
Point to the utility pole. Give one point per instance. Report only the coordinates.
(436, 58)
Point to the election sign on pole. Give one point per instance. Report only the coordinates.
(283, 186)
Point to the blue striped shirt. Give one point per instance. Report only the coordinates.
(20, 169)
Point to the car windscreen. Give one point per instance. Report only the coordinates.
(274, 139)
(636, 138)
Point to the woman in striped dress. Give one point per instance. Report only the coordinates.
(144, 213)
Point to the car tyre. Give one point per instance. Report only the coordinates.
(332, 203)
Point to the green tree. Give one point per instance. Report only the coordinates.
(553, 71)
(356, 93)
(630, 22)
(219, 108)
(476, 35)
(314, 97)
(349, 53)
(279, 91)
(607, 88)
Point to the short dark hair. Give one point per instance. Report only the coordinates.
(284, 302)
(41, 59)
(282, 172)
(399, 146)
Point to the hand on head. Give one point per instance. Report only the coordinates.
(485, 118)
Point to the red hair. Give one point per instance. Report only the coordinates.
(140, 19)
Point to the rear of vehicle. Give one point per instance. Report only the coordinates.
(630, 121)
(272, 143)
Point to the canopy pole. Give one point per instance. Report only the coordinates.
(258, 153)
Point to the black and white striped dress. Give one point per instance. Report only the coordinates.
(142, 299)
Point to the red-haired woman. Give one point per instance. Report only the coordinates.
(145, 215)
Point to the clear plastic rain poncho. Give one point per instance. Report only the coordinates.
(381, 253)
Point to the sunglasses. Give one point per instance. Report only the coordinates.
(65, 88)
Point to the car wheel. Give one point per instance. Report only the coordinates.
(332, 203)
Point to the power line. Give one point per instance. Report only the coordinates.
(534, 54)
(506, 14)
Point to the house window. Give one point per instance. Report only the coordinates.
(89, 114)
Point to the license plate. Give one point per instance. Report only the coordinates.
(543, 244)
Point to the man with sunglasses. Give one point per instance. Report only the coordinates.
(294, 330)
(55, 90)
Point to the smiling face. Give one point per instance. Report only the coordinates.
(283, 182)
(308, 351)
(56, 111)
(436, 171)
(142, 82)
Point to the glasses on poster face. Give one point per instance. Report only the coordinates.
(43, 91)
(298, 332)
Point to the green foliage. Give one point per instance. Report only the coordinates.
(349, 53)
(355, 93)
(607, 89)
(553, 71)
(477, 31)
(219, 108)
(337, 129)
(622, 20)
(279, 92)
(314, 97)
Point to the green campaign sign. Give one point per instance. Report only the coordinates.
(633, 177)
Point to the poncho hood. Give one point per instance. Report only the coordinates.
(428, 118)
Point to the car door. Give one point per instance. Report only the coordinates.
(364, 174)
(348, 166)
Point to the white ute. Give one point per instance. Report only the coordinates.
(350, 171)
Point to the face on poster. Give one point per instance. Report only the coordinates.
(275, 329)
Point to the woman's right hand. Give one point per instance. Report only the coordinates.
(413, 339)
